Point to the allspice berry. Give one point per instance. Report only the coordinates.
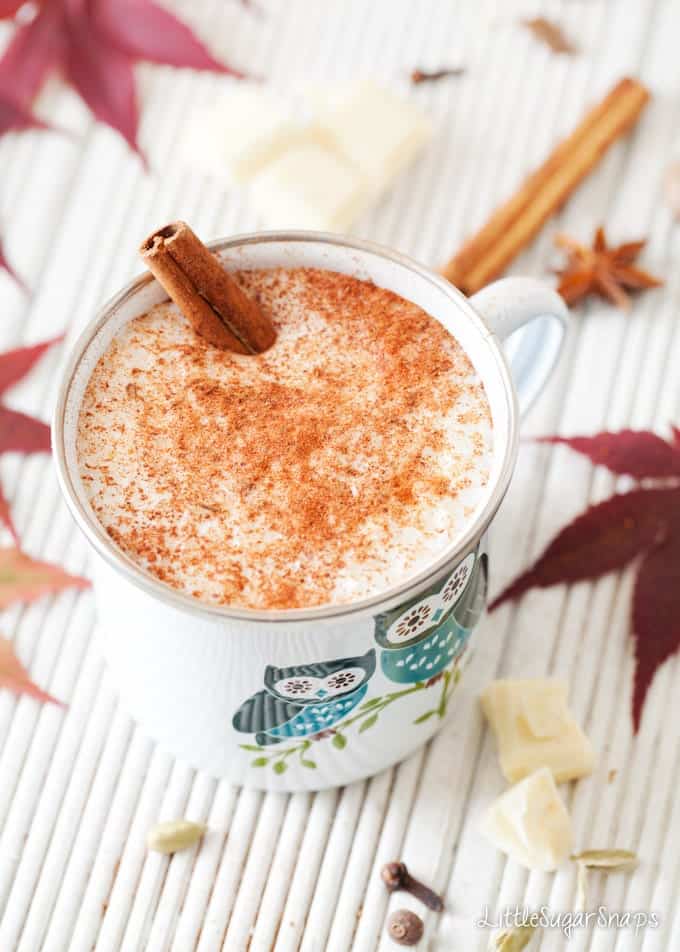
(405, 927)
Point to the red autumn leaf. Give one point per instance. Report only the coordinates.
(606, 537)
(9, 7)
(94, 44)
(16, 118)
(14, 676)
(35, 50)
(104, 78)
(642, 524)
(23, 579)
(146, 31)
(656, 616)
(637, 453)
(16, 363)
(19, 432)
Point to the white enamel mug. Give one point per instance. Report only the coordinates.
(310, 698)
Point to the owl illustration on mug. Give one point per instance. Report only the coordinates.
(424, 637)
(302, 700)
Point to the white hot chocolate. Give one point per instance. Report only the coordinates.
(336, 464)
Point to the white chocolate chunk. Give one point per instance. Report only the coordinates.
(376, 131)
(239, 133)
(530, 823)
(534, 728)
(309, 187)
(545, 711)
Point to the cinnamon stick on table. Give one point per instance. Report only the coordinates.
(217, 308)
(514, 224)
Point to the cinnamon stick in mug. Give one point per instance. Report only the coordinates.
(205, 292)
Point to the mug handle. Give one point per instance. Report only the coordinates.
(510, 304)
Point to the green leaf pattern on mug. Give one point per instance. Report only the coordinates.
(369, 722)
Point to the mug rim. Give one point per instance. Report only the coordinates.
(86, 520)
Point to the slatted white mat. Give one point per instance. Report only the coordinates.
(79, 790)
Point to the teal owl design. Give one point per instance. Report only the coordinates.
(302, 700)
(428, 634)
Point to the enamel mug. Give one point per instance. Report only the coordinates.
(309, 698)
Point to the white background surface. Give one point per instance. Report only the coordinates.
(78, 791)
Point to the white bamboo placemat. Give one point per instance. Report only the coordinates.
(79, 790)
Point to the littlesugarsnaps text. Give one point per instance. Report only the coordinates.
(568, 922)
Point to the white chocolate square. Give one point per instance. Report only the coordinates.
(309, 187)
(530, 823)
(544, 709)
(376, 131)
(239, 133)
(534, 728)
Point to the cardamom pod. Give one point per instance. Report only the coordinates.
(615, 861)
(512, 940)
(581, 887)
(174, 835)
(607, 861)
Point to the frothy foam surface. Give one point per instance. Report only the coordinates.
(336, 464)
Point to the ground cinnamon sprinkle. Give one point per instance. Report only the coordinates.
(326, 468)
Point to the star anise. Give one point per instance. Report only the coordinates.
(607, 272)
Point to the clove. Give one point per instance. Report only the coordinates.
(397, 877)
(427, 76)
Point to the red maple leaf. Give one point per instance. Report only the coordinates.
(642, 525)
(94, 44)
(23, 579)
(16, 118)
(19, 432)
(637, 453)
(13, 675)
